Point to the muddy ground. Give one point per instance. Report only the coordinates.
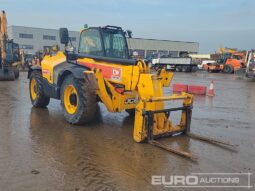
(40, 151)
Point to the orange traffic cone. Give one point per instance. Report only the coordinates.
(211, 89)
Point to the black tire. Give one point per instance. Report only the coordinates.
(41, 99)
(7, 75)
(131, 112)
(194, 69)
(228, 69)
(178, 69)
(188, 68)
(184, 69)
(85, 102)
(157, 67)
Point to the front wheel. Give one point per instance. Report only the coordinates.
(228, 69)
(194, 69)
(37, 95)
(178, 69)
(77, 100)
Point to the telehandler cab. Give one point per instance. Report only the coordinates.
(103, 71)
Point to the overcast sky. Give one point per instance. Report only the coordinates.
(212, 23)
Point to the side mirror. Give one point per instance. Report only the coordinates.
(64, 36)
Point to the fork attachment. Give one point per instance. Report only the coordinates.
(149, 127)
(151, 117)
(183, 127)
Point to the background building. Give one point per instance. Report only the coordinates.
(34, 39)
(146, 47)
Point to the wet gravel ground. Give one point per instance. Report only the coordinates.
(39, 151)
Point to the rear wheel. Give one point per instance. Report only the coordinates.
(37, 96)
(77, 100)
(178, 69)
(228, 69)
(194, 69)
(6, 75)
(185, 69)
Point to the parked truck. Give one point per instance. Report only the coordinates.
(201, 60)
(179, 64)
(250, 69)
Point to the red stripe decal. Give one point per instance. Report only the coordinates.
(107, 71)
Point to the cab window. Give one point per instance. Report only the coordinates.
(114, 43)
(90, 43)
(237, 57)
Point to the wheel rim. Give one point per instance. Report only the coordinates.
(70, 99)
(33, 89)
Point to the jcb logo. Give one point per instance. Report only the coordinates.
(131, 101)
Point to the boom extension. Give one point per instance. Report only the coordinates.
(151, 117)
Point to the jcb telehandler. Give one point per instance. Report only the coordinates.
(103, 71)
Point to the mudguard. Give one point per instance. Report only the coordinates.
(61, 72)
(75, 70)
(31, 69)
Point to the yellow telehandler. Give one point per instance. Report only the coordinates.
(103, 71)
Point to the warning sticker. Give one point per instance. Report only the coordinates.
(116, 74)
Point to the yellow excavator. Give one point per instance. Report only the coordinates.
(102, 70)
(10, 54)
